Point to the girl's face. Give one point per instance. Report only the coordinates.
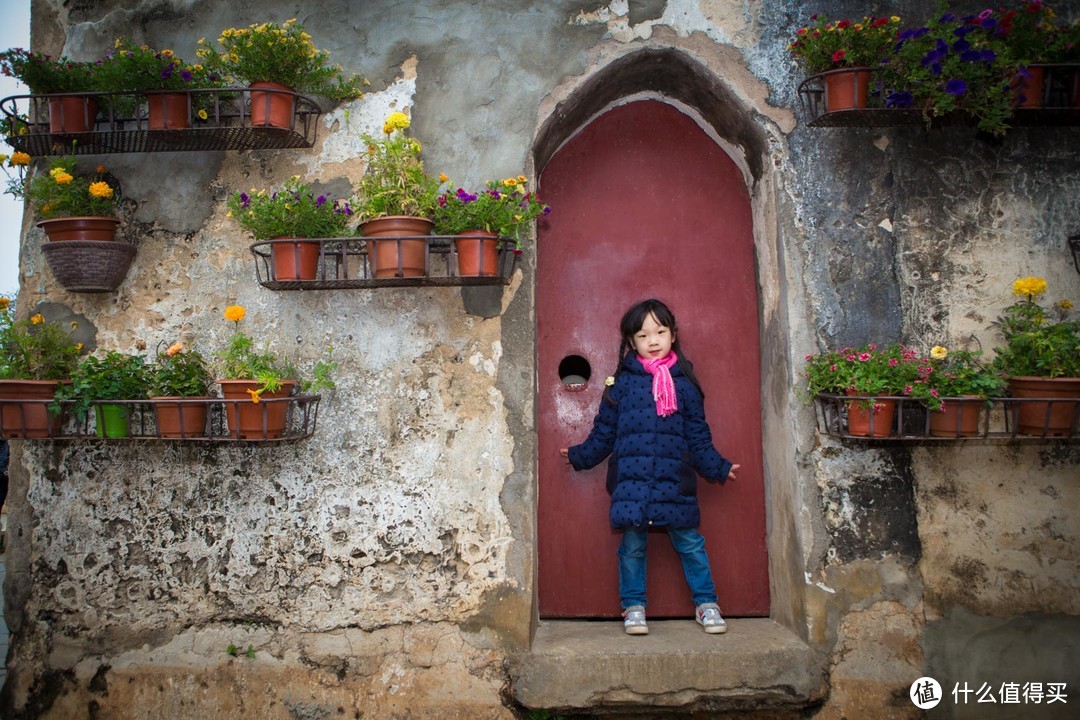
(653, 340)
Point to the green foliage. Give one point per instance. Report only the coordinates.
(235, 651)
(867, 370)
(292, 211)
(954, 374)
(179, 372)
(62, 192)
(504, 208)
(112, 376)
(132, 68)
(44, 74)
(395, 182)
(834, 44)
(284, 54)
(1039, 341)
(33, 349)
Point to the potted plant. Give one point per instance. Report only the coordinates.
(955, 386)
(846, 52)
(69, 112)
(504, 209)
(179, 382)
(250, 376)
(101, 378)
(396, 198)
(1040, 359)
(163, 77)
(953, 64)
(276, 61)
(293, 211)
(35, 356)
(871, 376)
(79, 217)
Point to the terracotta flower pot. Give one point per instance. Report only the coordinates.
(272, 109)
(478, 253)
(249, 420)
(1052, 419)
(846, 89)
(180, 419)
(958, 418)
(72, 114)
(1028, 91)
(24, 409)
(80, 228)
(169, 111)
(392, 256)
(295, 260)
(860, 418)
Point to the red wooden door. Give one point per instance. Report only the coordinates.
(645, 204)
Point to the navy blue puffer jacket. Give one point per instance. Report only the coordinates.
(651, 474)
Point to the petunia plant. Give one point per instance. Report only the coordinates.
(294, 210)
(828, 44)
(504, 207)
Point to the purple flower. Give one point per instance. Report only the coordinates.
(989, 24)
(989, 56)
(167, 72)
(547, 210)
(186, 75)
(320, 201)
(961, 45)
(956, 87)
(1023, 72)
(971, 56)
(899, 99)
(245, 199)
(948, 17)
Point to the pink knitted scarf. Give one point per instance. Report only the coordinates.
(663, 387)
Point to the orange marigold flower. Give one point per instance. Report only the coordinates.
(37, 319)
(175, 348)
(235, 313)
(254, 396)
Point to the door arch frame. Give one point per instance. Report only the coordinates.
(747, 134)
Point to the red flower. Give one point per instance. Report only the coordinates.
(843, 24)
(838, 55)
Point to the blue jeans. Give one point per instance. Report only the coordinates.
(691, 548)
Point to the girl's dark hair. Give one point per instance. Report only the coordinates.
(634, 319)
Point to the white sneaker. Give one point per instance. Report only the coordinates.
(634, 620)
(708, 617)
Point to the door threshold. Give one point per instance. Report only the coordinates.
(580, 665)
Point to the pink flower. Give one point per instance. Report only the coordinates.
(838, 55)
(864, 356)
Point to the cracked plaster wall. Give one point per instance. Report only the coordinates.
(386, 565)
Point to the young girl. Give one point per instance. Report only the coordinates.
(652, 424)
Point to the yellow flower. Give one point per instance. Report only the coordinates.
(4, 302)
(235, 313)
(37, 319)
(1065, 304)
(609, 380)
(74, 325)
(895, 18)
(175, 348)
(63, 178)
(1030, 287)
(510, 182)
(443, 177)
(118, 42)
(522, 179)
(167, 53)
(101, 190)
(202, 114)
(396, 121)
(938, 353)
(55, 171)
(79, 346)
(254, 396)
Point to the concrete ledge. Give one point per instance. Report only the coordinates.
(578, 665)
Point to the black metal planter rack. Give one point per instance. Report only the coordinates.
(300, 411)
(998, 420)
(227, 125)
(1060, 106)
(343, 263)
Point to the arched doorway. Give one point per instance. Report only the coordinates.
(647, 204)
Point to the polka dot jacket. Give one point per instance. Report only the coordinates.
(652, 472)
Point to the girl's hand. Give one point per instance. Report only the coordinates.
(731, 473)
(565, 453)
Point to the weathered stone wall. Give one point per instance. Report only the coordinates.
(385, 568)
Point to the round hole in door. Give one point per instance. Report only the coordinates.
(574, 371)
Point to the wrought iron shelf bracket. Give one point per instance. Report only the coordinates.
(998, 421)
(217, 119)
(300, 413)
(344, 263)
(1060, 107)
